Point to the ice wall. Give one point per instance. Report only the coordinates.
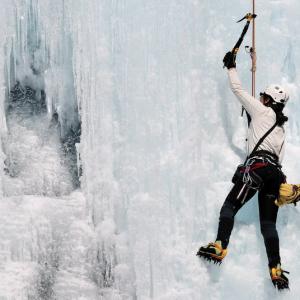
(160, 138)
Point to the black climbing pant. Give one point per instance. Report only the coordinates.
(272, 177)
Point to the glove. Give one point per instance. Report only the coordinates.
(229, 60)
(288, 194)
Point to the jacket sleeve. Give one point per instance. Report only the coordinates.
(253, 106)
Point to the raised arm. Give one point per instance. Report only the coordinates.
(252, 105)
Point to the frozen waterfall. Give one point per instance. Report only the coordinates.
(119, 137)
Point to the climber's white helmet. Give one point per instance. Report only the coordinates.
(277, 93)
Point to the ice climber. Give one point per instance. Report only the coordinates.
(261, 172)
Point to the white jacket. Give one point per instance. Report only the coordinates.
(262, 119)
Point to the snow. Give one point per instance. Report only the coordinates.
(161, 135)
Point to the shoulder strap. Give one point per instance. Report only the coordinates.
(263, 137)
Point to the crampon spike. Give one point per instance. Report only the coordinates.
(209, 258)
(281, 285)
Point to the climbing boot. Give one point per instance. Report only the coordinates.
(278, 278)
(213, 252)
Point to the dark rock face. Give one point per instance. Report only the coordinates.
(69, 148)
(24, 103)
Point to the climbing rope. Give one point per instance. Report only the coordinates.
(253, 51)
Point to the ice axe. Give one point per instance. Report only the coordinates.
(249, 17)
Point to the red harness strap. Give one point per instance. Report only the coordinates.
(254, 167)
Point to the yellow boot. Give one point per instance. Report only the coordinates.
(278, 278)
(213, 251)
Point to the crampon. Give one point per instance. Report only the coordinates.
(279, 280)
(213, 252)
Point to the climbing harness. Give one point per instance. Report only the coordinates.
(250, 177)
(255, 160)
